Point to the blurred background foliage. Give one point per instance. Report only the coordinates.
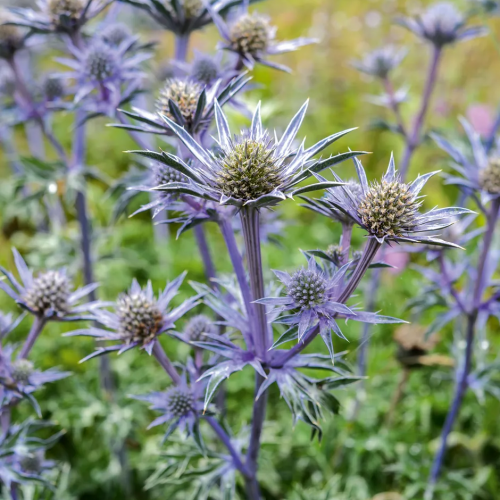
(358, 459)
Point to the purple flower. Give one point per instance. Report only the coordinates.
(49, 294)
(389, 210)
(380, 62)
(252, 38)
(253, 169)
(138, 318)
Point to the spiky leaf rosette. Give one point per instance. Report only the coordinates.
(489, 178)
(389, 209)
(22, 369)
(197, 326)
(101, 62)
(249, 170)
(179, 401)
(67, 8)
(250, 34)
(307, 288)
(50, 291)
(184, 93)
(139, 318)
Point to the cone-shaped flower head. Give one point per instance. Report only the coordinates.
(191, 8)
(489, 177)
(185, 95)
(101, 62)
(138, 318)
(198, 326)
(114, 34)
(307, 288)
(53, 88)
(67, 8)
(49, 294)
(163, 174)
(22, 369)
(205, 70)
(380, 62)
(388, 209)
(251, 34)
(251, 169)
(441, 24)
(179, 401)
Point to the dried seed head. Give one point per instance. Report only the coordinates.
(249, 170)
(11, 37)
(489, 178)
(115, 34)
(68, 8)
(49, 292)
(140, 319)
(32, 463)
(179, 401)
(53, 88)
(22, 370)
(204, 70)
(440, 23)
(388, 209)
(307, 288)
(101, 62)
(250, 34)
(184, 93)
(192, 8)
(197, 326)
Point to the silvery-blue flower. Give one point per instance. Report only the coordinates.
(254, 169)
(138, 318)
(441, 24)
(380, 62)
(389, 210)
(48, 294)
(253, 39)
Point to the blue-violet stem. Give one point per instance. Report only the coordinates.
(162, 358)
(39, 323)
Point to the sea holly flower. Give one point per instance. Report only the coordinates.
(183, 16)
(252, 38)
(49, 294)
(312, 295)
(60, 16)
(479, 168)
(138, 318)
(115, 34)
(12, 37)
(389, 210)
(19, 378)
(198, 326)
(253, 169)
(441, 24)
(380, 62)
(187, 102)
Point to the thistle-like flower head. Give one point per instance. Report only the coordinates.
(249, 170)
(380, 62)
(441, 24)
(478, 167)
(179, 401)
(53, 88)
(198, 326)
(101, 62)
(205, 70)
(307, 288)
(184, 94)
(253, 39)
(116, 33)
(22, 370)
(389, 209)
(191, 9)
(138, 318)
(49, 294)
(65, 8)
(11, 36)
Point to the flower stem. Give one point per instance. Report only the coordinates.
(345, 242)
(398, 394)
(162, 358)
(465, 367)
(250, 222)
(413, 139)
(389, 89)
(181, 47)
(208, 264)
(37, 327)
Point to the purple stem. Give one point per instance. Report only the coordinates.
(369, 253)
(181, 47)
(208, 264)
(414, 138)
(38, 324)
(462, 382)
(345, 242)
(250, 223)
(226, 440)
(237, 262)
(162, 358)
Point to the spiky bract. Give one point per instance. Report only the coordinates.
(139, 318)
(307, 288)
(389, 209)
(49, 292)
(179, 401)
(250, 34)
(184, 93)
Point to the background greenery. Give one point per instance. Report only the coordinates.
(357, 460)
